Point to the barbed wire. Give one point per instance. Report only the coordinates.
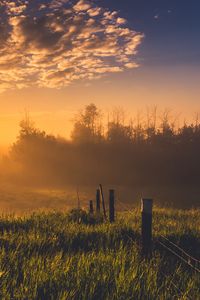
(166, 276)
(180, 257)
(181, 249)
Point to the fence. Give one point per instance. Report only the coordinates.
(146, 210)
(147, 240)
(146, 226)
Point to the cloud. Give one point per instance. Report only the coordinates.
(54, 43)
(82, 5)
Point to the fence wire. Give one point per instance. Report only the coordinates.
(179, 257)
(171, 283)
(189, 257)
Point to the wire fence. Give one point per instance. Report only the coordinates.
(190, 258)
(179, 257)
(186, 261)
(178, 252)
(179, 292)
(173, 248)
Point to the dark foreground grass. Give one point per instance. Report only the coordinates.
(45, 256)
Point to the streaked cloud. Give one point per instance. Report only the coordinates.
(54, 43)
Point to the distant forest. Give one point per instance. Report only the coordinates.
(145, 151)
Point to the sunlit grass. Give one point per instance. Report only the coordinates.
(44, 256)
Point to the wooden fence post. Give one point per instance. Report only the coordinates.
(103, 201)
(112, 206)
(98, 201)
(91, 207)
(146, 208)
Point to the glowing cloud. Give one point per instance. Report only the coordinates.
(53, 43)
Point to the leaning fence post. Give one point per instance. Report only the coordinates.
(103, 200)
(112, 206)
(91, 208)
(98, 201)
(146, 208)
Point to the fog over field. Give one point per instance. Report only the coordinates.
(145, 156)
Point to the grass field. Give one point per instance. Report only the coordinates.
(47, 256)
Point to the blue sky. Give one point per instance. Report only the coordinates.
(171, 28)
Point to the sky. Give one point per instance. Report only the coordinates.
(57, 56)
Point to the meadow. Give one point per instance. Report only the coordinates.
(54, 256)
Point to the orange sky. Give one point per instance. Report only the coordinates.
(53, 110)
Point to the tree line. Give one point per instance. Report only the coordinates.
(143, 151)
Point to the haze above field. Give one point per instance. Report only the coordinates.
(74, 65)
(56, 56)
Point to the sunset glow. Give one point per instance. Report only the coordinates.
(99, 149)
(56, 56)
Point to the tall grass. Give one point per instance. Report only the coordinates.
(46, 256)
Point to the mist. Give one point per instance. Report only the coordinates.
(146, 156)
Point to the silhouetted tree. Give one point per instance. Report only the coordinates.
(88, 125)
